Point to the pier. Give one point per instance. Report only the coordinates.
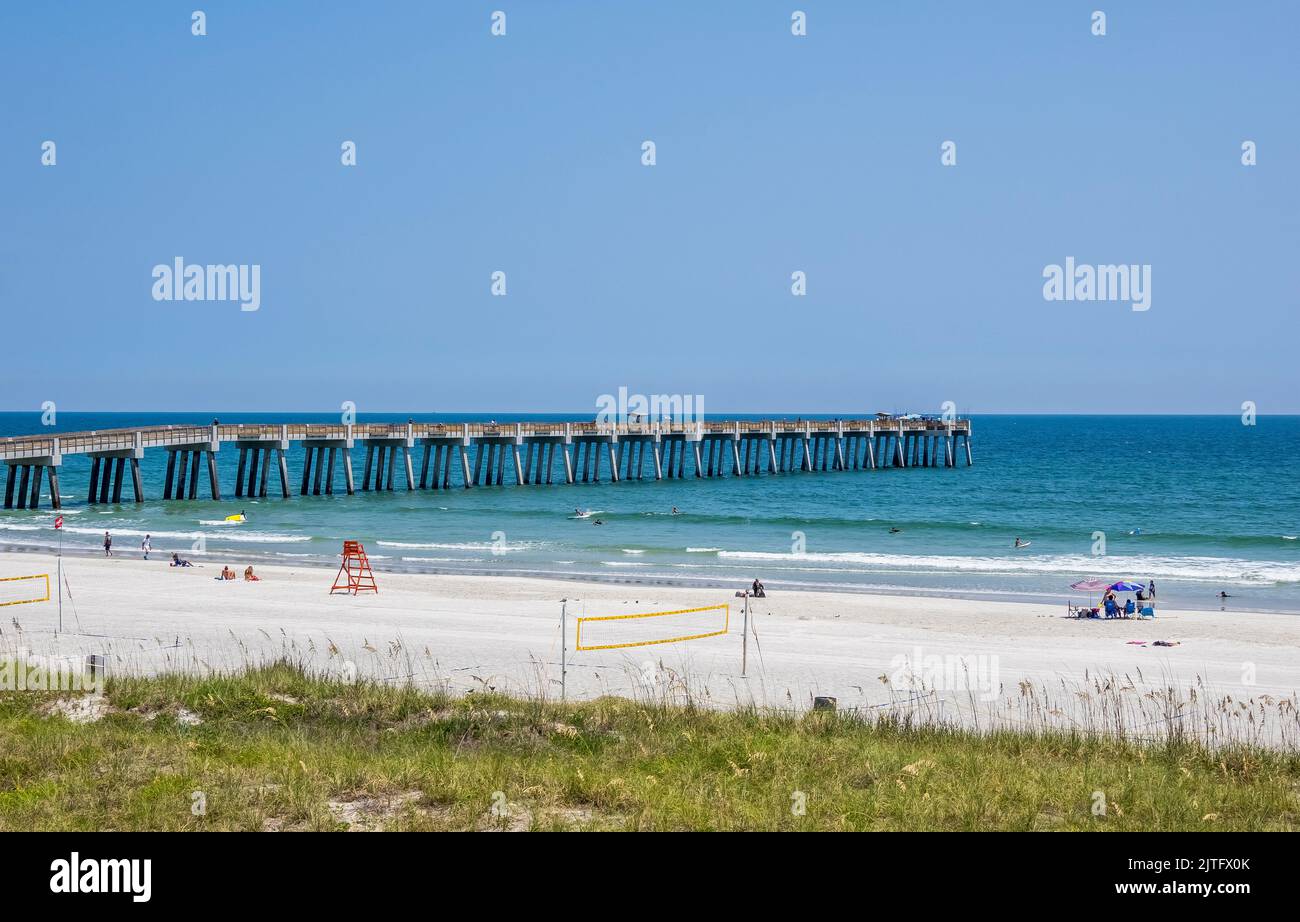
(463, 455)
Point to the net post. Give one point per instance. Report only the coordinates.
(744, 639)
(564, 633)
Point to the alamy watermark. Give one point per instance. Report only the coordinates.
(1083, 282)
(34, 672)
(194, 282)
(946, 672)
(614, 409)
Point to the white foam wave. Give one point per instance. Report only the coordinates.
(1204, 569)
(462, 546)
(243, 536)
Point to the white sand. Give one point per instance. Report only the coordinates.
(467, 632)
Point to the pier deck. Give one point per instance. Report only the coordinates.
(473, 454)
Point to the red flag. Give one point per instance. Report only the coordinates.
(58, 521)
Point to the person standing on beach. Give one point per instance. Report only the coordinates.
(146, 546)
(1151, 590)
(108, 545)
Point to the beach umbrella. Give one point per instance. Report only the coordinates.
(1090, 585)
(1123, 586)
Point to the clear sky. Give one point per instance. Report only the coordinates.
(775, 153)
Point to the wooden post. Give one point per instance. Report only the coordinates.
(214, 484)
(239, 472)
(347, 470)
(38, 471)
(167, 484)
(56, 501)
(137, 484)
(118, 465)
(194, 474)
(266, 470)
(254, 456)
(315, 487)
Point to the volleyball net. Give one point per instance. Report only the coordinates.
(617, 632)
(20, 590)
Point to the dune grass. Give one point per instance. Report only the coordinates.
(275, 748)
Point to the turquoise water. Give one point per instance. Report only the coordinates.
(1199, 504)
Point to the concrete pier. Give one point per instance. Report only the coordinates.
(466, 455)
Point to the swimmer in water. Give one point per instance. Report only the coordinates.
(675, 512)
(894, 531)
(598, 522)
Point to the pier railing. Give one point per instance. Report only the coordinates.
(480, 453)
(112, 440)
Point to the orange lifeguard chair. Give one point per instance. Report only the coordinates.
(355, 574)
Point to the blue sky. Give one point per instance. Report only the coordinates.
(774, 153)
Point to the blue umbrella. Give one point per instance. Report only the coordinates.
(1122, 586)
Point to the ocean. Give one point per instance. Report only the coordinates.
(1200, 504)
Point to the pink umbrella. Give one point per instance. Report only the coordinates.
(1090, 586)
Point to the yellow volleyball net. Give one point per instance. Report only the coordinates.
(617, 632)
(21, 590)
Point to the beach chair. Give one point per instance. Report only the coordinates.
(1148, 611)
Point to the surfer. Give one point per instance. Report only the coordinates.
(894, 531)
(1020, 543)
(1224, 595)
(598, 522)
(675, 512)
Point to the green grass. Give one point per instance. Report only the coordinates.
(276, 746)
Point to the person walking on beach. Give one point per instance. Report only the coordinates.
(146, 546)
(1151, 590)
(108, 545)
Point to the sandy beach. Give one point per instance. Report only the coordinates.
(469, 632)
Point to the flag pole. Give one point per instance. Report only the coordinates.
(564, 631)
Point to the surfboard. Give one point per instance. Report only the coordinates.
(237, 517)
(1023, 544)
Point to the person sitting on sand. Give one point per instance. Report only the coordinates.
(226, 573)
(248, 575)
(178, 561)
